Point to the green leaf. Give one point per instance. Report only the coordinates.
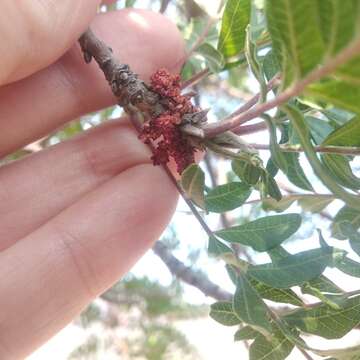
(193, 183)
(339, 167)
(227, 197)
(297, 40)
(249, 306)
(315, 203)
(247, 172)
(348, 266)
(346, 135)
(278, 206)
(350, 232)
(304, 137)
(294, 269)
(324, 285)
(346, 213)
(245, 333)
(295, 172)
(271, 187)
(264, 233)
(223, 313)
(278, 347)
(325, 321)
(319, 128)
(343, 95)
(349, 353)
(217, 248)
(213, 57)
(285, 296)
(337, 23)
(235, 19)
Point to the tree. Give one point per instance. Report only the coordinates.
(305, 58)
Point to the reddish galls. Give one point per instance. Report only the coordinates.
(164, 131)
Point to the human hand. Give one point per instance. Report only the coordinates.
(74, 217)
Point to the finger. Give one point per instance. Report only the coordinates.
(36, 33)
(52, 274)
(37, 105)
(36, 188)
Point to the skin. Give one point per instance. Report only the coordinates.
(75, 217)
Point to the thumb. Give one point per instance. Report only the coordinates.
(35, 33)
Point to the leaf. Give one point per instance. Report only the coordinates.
(213, 57)
(249, 306)
(247, 172)
(339, 167)
(294, 269)
(346, 135)
(297, 40)
(350, 232)
(217, 248)
(349, 353)
(193, 183)
(235, 19)
(277, 348)
(315, 203)
(304, 137)
(319, 128)
(325, 321)
(264, 233)
(222, 312)
(227, 197)
(285, 296)
(271, 187)
(278, 206)
(343, 95)
(295, 172)
(324, 285)
(346, 213)
(348, 266)
(245, 333)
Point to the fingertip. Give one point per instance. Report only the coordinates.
(144, 39)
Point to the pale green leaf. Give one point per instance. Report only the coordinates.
(235, 19)
(264, 233)
(223, 313)
(227, 197)
(213, 57)
(193, 183)
(346, 213)
(245, 333)
(294, 269)
(249, 306)
(217, 248)
(325, 321)
(278, 347)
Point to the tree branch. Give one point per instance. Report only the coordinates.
(186, 274)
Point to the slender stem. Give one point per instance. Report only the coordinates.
(250, 129)
(196, 78)
(232, 122)
(254, 100)
(342, 150)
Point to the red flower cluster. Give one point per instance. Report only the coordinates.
(163, 131)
